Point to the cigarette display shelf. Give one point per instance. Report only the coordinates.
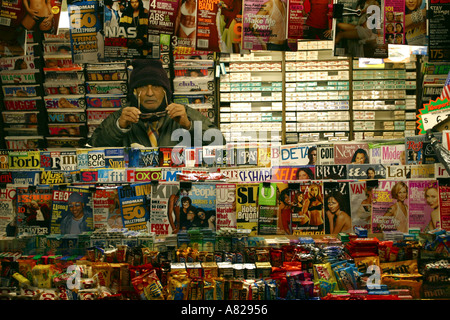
(251, 96)
(317, 94)
(383, 100)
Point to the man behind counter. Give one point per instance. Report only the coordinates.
(153, 120)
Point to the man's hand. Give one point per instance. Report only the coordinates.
(129, 116)
(177, 112)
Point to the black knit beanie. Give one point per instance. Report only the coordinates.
(145, 72)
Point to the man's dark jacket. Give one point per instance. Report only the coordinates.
(107, 134)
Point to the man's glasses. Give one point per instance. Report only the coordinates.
(146, 116)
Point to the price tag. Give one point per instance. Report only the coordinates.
(432, 113)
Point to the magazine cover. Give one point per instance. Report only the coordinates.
(246, 154)
(225, 206)
(324, 154)
(312, 219)
(359, 34)
(361, 197)
(390, 207)
(50, 160)
(59, 45)
(61, 62)
(297, 154)
(14, 36)
(264, 25)
(440, 171)
(20, 76)
(74, 115)
(424, 212)
(114, 71)
(24, 142)
(274, 207)
(394, 21)
(85, 36)
(196, 207)
(126, 29)
(162, 219)
(438, 28)
(16, 104)
(135, 200)
(366, 171)
(34, 213)
(14, 117)
(96, 158)
(6, 177)
(71, 210)
(106, 208)
(337, 207)
(95, 117)
(293, 173)
(140, 157)
(49, 11)
(186, 26)
(247, 174)
(106, 87)
(393, 154)
(116, 158)
(21, 91)
(208, 26)
(63, 101)
(400, 172)
(106, 101)
(146, 174)
(247, 207)
(161, 25)
(54, 76)
(416, 23)
(444, 204)
(310, 19)
(71, 130)
(65, 142)
(389, 153)
(24, 62)
(52, 177)
(8, 212)
(229, 24)
(413, 149)
(4, 161)
(212, 156)
(26, 177)
(299, 212)
(429, 155)
(114, 176)
(333, 172)
(264, 155)
(351, 153)
(27, 159)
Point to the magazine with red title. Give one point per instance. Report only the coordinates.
(34, 210)
(390, 206)
(71, 210)
(225, 206)
(162, 218)
(8, 212)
